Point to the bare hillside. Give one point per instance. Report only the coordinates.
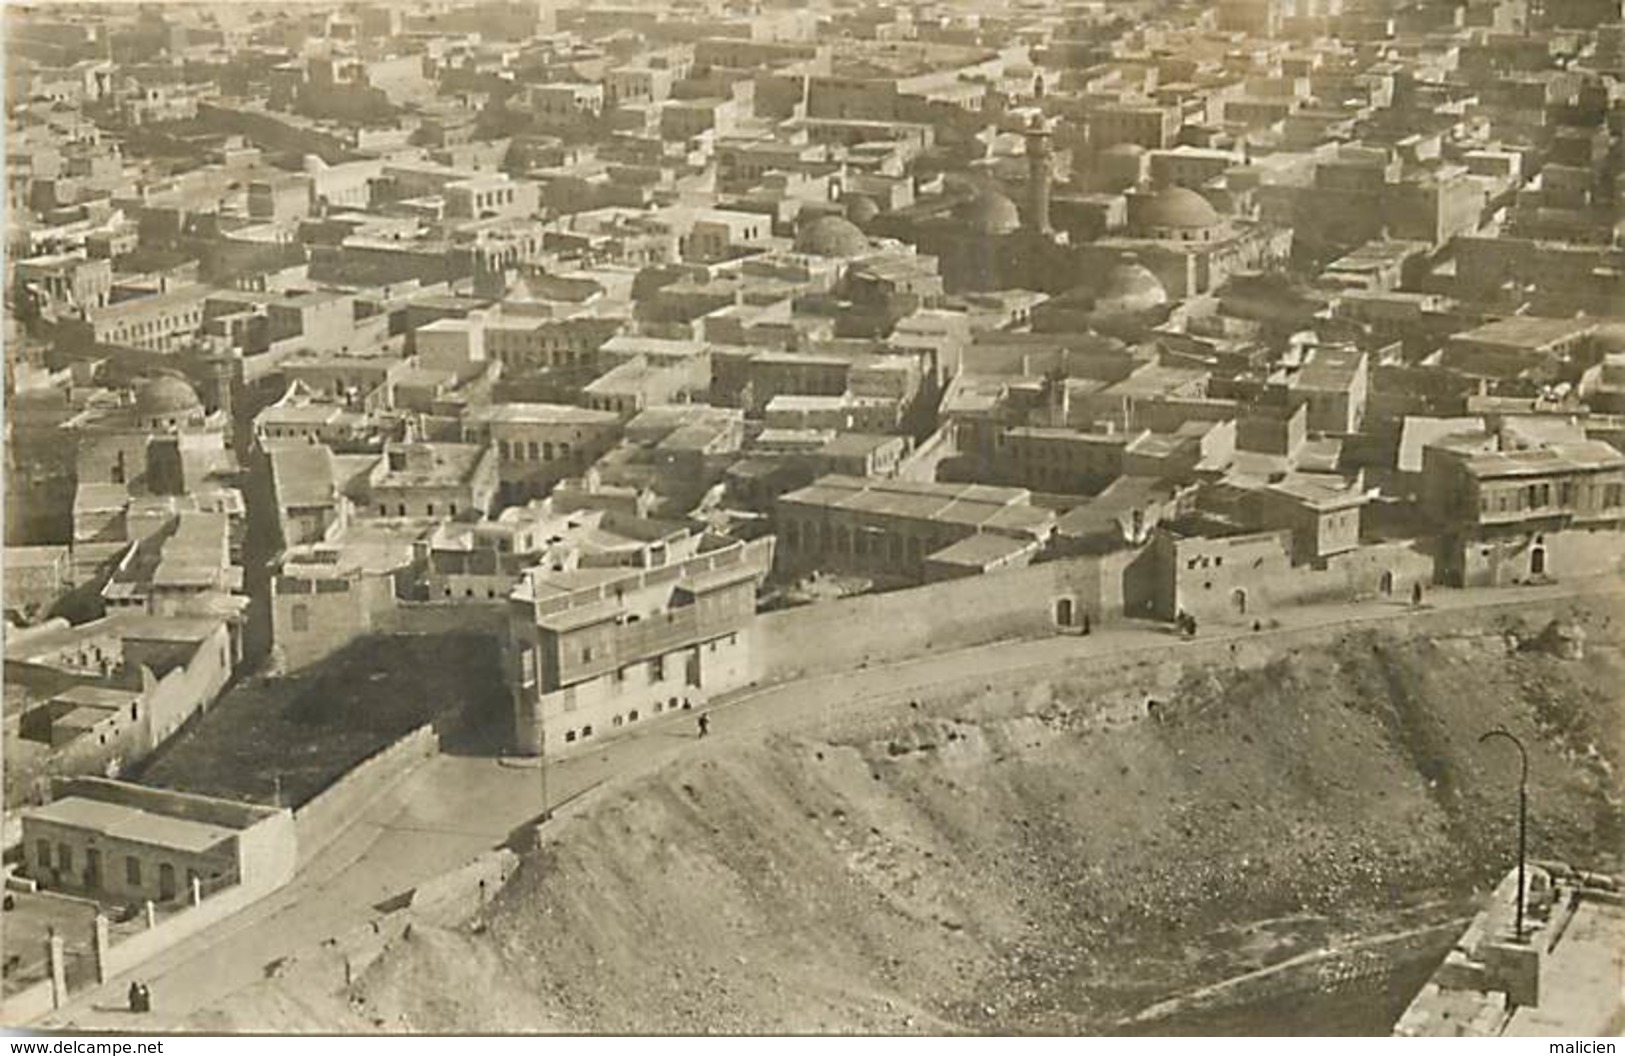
(1048, 857)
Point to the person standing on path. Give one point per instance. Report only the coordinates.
(704, 724)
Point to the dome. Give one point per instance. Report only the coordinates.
(1130, 287)
(832, 236)
(860, 209)
(990, 213)
(1179, 208)
(164, 396)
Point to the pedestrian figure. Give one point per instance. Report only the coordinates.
(704, 724)
(135, 997)
(1086, 623)
(146, 998)
(1190, 626)
(1416, 593)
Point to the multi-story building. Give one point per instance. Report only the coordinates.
(1535, 513)
(432, 480)
(539, 444)
(1333, 382)
(594, 651)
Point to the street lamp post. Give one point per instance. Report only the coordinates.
(1523, 818)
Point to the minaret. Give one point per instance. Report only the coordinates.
(1038, 175)
(221, 368)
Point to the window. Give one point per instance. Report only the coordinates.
(43, 849)
(586, 654)
(616, 721)
(586, 731)
(64, 857)
(569, 736)
(431, 509)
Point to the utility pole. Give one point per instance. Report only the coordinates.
(541, 762)
(1523, 818)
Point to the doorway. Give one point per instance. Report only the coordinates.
(1387, 585)
(1063, 612)
(1537, 561)
(166, 882)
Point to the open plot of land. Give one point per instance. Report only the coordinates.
(300, 733)
(28, 925)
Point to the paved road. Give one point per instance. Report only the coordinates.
(452, 808)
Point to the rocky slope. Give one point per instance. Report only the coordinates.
(1049, 857)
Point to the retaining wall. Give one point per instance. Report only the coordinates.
(880, 628)
(434, 617)
(322, 819)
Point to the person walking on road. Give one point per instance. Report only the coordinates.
(704, 724)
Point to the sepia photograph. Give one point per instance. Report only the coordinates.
(813, 518)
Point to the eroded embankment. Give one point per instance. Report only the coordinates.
(1051, 856)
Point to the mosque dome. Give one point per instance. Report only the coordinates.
(990, 213)
(166, 396)
(1130, 288)
(832, 236)
(1178, 209)
(860, 209)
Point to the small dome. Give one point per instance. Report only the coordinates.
(832, 236)
(166, 395)
(1130, 288)
(860, 209)
(990, 213)
(1179, 208)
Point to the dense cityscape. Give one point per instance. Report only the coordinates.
(436, 411)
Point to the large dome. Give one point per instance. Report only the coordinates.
(166, 395)
(1179, 208)
(1130, 287)
(990, 213)
(832, 236)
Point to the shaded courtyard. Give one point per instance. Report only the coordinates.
(286, 739)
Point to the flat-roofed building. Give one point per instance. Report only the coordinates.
(431, 480)
(1580, 483)
(117, 842)
(890, 528)
(1515, 516)
(594, 651)
(539, 444)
